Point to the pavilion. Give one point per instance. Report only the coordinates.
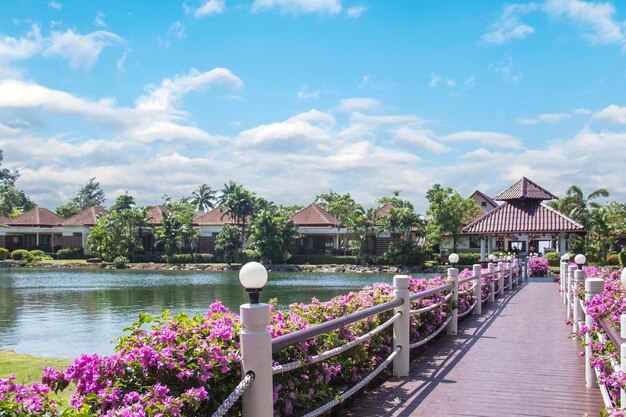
(524, 220)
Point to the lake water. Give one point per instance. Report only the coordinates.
(63, 313)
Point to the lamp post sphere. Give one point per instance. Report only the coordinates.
(508, 258)
(623, 280)
(253, 275)
(492, 257)
(565, 257)
(580, 259)
(453, 258)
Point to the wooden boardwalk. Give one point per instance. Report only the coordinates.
(514, 360)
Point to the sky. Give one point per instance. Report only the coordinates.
(292, 98)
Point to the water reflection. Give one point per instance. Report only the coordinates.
(63, 313)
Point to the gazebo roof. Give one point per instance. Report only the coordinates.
(523, 217)
(315, 216)
(525, 189)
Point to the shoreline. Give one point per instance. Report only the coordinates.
(326, 268)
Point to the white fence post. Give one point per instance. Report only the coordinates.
(593, 287)
(256, 356)
(510, 274)
(579, 282)
(563, 275)
(401, 327)
(570, 283)
(453, 274)
(492, 271)
(622, 391)
(478, 293)
(501, 271)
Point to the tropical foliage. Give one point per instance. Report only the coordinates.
(272, 234)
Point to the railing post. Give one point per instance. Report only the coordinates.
(453, 274)
(563, 275)
(492, 271)
(570, 283)
(256, 356)
(478, 293)
(501, 282)
(593, 287)
(622, 391)
(510, 274)
(579, 282)
(526, 269)
(401, 327)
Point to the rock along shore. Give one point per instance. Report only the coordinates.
(324, 269)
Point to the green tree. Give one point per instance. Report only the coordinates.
(360, 225)
(118, 234)
(7, 177)
(177, 231)
(203, 198)
(67, 210)
(123, 202)
(340, 206)
(13, 202)
(167, 235)
(272, 234)
(240, 205)
(447, 214)
(228, 242)
(90, 195)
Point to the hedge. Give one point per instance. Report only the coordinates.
(323, 260)
(20, 255)
(75, 253)
(4, 253)
(188, 258)
(554, 258)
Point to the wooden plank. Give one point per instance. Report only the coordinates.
(516, 359)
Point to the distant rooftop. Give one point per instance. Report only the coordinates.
(315, 216)
(525, 189)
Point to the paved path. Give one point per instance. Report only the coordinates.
(514, 360)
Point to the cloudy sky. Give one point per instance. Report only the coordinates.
(295, 97)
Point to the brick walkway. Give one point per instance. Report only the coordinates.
(516, 359)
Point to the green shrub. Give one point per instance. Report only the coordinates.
(189, 258)
(468, 258)
(612, 260)
(76, 253)
(46, 258)
(554, 258)
(20, 255)
(148, 257)
(37, 253)
(622, 258)
(248, 255)
(4, 253)
(323, 260)
(120, 262)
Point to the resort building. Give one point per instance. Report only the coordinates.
(210, 224)
(320, 232)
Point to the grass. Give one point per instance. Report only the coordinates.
(27, 369)
(65, 261)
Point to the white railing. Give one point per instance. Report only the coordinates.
(257, 346)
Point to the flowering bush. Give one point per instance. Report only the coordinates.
(187, 365)
(538, 267)
(609, 306)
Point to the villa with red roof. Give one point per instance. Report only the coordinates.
(523, 223)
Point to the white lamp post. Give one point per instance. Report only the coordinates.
(492, 257)
(454, 259)
(565, 257)
(253, 277)
(580, 260)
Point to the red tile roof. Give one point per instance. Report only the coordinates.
(37, 217)
(3, 219)
(383, 212)
(315, 216)
(87, 217)
(217, 216)
(155, 214)
(528, 216)
(525, 188)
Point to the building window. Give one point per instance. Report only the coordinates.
(483, 204)
(474, 242)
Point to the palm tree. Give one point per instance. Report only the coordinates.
(239, 204)
(203, 198)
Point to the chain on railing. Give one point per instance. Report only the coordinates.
(431, 336)
(431, 307)
(347, 394)
(234, 396)
(279, 369)
(469, 310)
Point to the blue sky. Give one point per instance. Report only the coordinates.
(295, 97)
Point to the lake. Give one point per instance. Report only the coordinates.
(65, 312)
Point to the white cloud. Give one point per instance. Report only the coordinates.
(436, 79)
(176, 31)
(495, 139)
(544, 118)
(55, 5)
(296, 7)
(99, 20)
(171, 91)
(508, 25)
(121, 61)
(470, 82)
(206, 8)
(420, 138)
(582, 111)
(14, 49)
(597, 20)
(358, 104)
(355, 11)
(80, 50)
(305, 93)
(386, 119)
(612, 113)
(506, 70)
